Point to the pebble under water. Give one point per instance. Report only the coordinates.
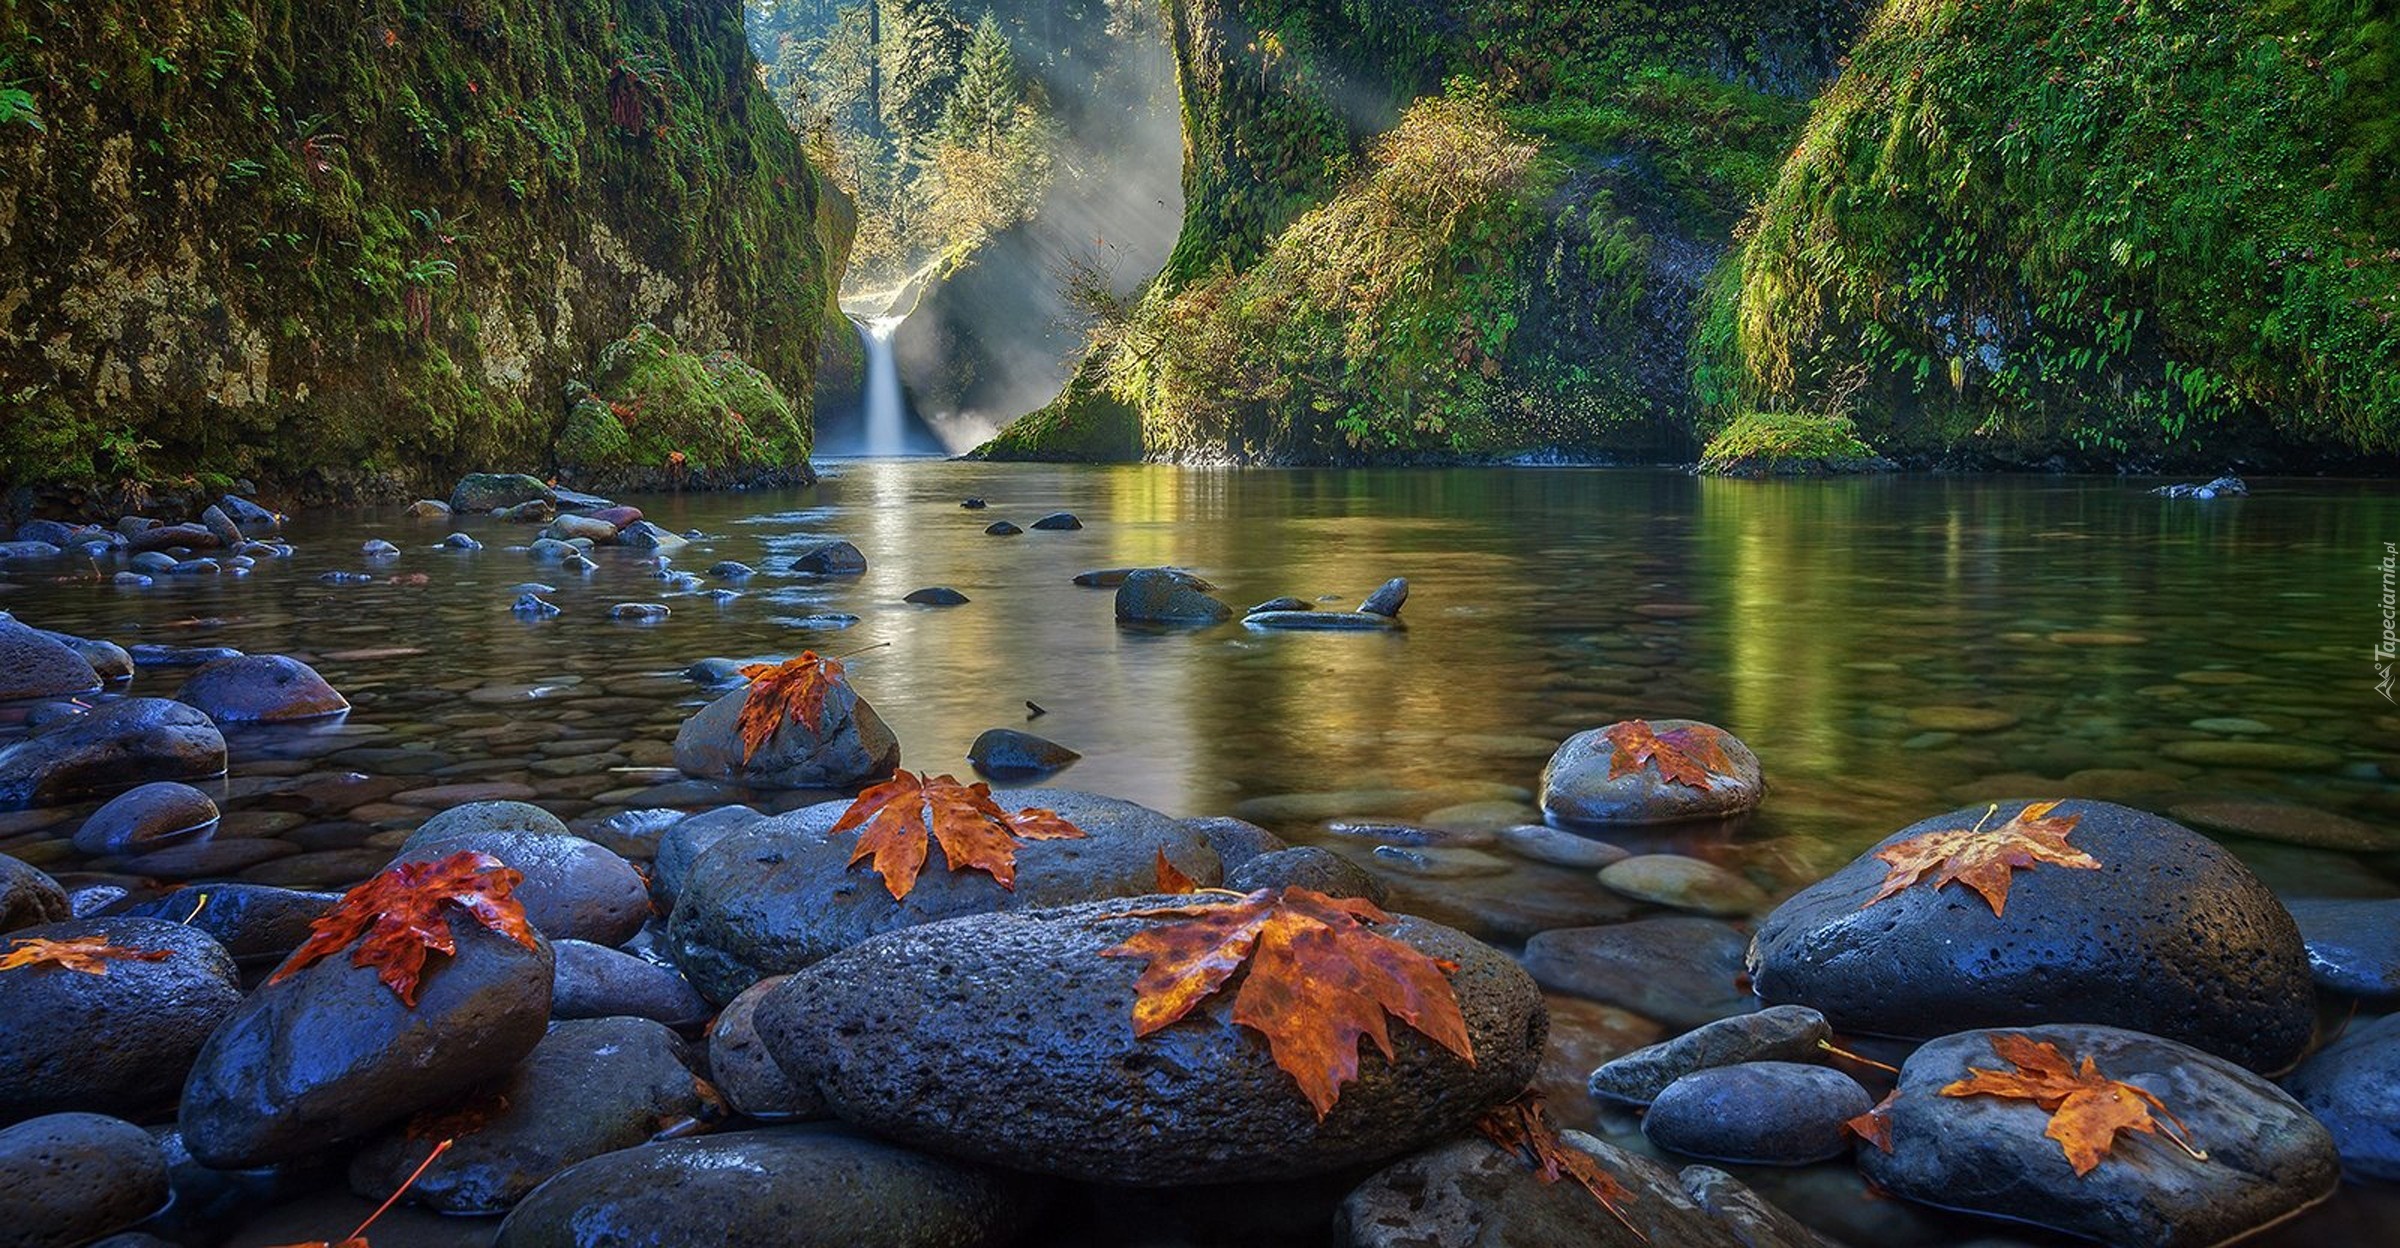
(1891, 648)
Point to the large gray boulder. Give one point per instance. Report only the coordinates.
(117, 1042)
(262, 689)
(1021, 1053)
(572, 890)
(2170, 935)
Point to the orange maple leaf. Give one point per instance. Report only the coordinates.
(88, 954)
(1171, 879)
(1983, 860)
(1875, 1125)
(1684, 755)
(2087, 1109)
(399, 915)
(1320, 977)
(358, 1238)
(793, 691)
(973, 830)
(1521, 1127)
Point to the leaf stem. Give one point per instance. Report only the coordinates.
(394, 1198)
(1862, 1059)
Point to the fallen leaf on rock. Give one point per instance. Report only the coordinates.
(88, 954)
(1982, 860)
(1875, 1125)
(397, 917)
(1683, 756)
(1171, 880)
(2087, 1109)
(1521, 1127)
(793, 691)
(973, 830)
(1320, 977)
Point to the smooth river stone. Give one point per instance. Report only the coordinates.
(2292, 825)
(1685, 884)
(2263, 755)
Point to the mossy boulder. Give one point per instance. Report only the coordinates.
(656, 409)
(1788, 444)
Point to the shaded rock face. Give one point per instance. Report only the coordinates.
(836, 558)
(1468, 1193)
(2267, 1158)
(2353, 946)
(1236, 840)
(331, 1054)
(746, 1072)
(68, 1178)
(783, 1187)
(1023, 1053)
(29, 896)
(782, 895)
(254, 922)
(572, 890)
(1782, 1033)
(849, 745)
(594, 981)
(1165, 596)
(261, 689)
(2171, 935)
(1758, 1113)
(2353, 1087)
(34, 664)
(681, 845)
(501, 816)
(154, 815)
(1008, 753)
(497, 491)
(1682, 971)
(115, 1043)
(591, 1086)
(110, 747)
(1576, 788)
(1310, 867)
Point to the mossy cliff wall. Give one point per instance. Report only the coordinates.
(348, 246)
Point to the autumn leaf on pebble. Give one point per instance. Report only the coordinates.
(1320, 977)
(1983, 860)
(2087, 1109)
(1684, 756)
(88, 954)
(972, 829)
(1171, 879)
(1521, 1128)
(793, 691)
(1875, 1126)
(399, 916)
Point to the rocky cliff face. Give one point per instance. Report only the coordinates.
(353, 247)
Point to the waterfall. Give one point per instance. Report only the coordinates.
(886, 431)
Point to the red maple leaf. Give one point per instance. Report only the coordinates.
(974, 832)
(1684, 756)
(793, 691)
(399, 916)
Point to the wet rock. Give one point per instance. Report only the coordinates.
(781, 895)
(182, 656)
(2267, 1159)
(460, 541)
(576, 562)
(112, 746)
(1560, 847)
(1002, 528)
(836, 558)
(1757, 1113)
(197, 567)
(974, 504)
(1440, 862)
(1321, 621)
(937, 596)
(330, 1054)
(2353, 946)
(217, 522)
(157, 814)
(119, 1042)
(1468, 1193)
(1307, 866)
(1387, 598)
(35, 665)
(1682, 971)
(1024, 1055)
(152, 561)
(497, 491)
(849, 744)
(330, 578)
(1236, 841)
(533, 606)
(428, 509)
(130, 580)
(1754, 1222)
(643, 535)
(745, 1072)
(618, 517)
(68, 1178)
(254, 922)
(1058, 521)
(110, 661)
(1685, 884)
(731, 570)
(171, 536)
(28, 896)
(1161, 596)
(592, 1086)
(377, 548)
(572, 890)
(1111, 578)
(568, 528)
(2353, 1087)
(1279, 604)
(1782, 1033)
(531, 511)
(261, 689)
(681, 845)
(551, 550)
(486, 816)
(254, 520)
(2222, 487)
(799, 1186)
(631, 834)
(1576, 787)
(640, 612)
(2292, 825)
(2170, 934)
(1005, 753)
(594, 981)
(28, 552)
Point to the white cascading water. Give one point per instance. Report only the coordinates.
(886, 434)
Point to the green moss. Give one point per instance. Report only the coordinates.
(1086, 424)
(1782, 443)
(654, 404)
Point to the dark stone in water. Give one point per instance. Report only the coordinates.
(1682, 971)
(1757, 1113)
(1002, 528)
(460, 541)
(2353, 1087)
(34, 664)
(341, 578)
(254, 922)
(256, 521)
(184, 656)
(591, 1086)
(594, 981)
(1110, 578)
(731, 570)
(1782, 1033)
(1021, 1053)
(1321, 621)
(745, 1072)
(572, 890)
(227, 532)
(1468, 1193)
(533, 606)
(2353, 946)
(937, 596)
(848, 745)
(497, 491)
(973, 504)
(1163, 596)
(1058, 521)
(118, 1042)
(160, 813)
(1387, 598)
(29, 896)
(110, 661)
(1006, 753)
(1307, 866)
(113, 746)
(168, 536)
(1279, 604)
(261, 689)
(640, 612)
(2267, 1158)
(801, 1186)
(331, 1054)
(66, 1179)
(2170, 935)
(836, 558)
(196, 859)
(377, 548)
